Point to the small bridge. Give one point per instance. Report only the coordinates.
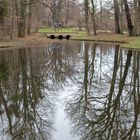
(52, 36)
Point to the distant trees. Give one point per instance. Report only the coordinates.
(56, 9)
(122, 22)
(3, 10)
(18, 17)
(14, 12)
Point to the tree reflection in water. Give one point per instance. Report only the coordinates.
(21, 91)
(106, 106)
(30, 80)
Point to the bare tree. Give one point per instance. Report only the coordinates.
(116, 9)
(86, 7)
(93, 17)
(128, 18)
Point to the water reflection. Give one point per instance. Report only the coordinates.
(107, 103)
(104, 84)
(22, 88)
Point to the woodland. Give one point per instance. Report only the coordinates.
(19, 18)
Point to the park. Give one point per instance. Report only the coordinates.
(69, 69)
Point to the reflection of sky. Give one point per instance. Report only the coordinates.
(62, 125)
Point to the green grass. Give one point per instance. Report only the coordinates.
(102, 38)
(127, 42)
(49, 30)
(135, 43)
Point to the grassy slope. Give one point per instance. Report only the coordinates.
(29, 41)
(127, 42)
(62, 30)
(130, 42)
(102, 37)
(72, 31)
(135, 43)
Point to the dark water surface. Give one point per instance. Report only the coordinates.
(70, 91)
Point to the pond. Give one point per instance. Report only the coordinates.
(70, 90)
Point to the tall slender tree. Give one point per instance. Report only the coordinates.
(93, 17)
(29, 19)
(86, 6)
(138, 21)
(116, 9)
(128, 18)
(3, 10)
(22, 18)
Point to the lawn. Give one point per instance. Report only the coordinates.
(61, 30)
(128, 42)
(135, 43)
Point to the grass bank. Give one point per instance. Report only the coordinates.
(36, 40)
(40, 39)
(127, 42)
(134, 43)
(60, 31)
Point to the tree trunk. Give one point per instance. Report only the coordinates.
(79, 25)
(138, 16)
(101, 14)
(86, 4)
(12, 19)
(117, 25)
(17, 15)
(22, 20)
(135, 17)
(56, 12)
(93, 17)
(66, 12)
(29, 18)
(128, 18)
(121, 19)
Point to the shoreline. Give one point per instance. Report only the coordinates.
(40, 39)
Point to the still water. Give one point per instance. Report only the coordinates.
(70, 91)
